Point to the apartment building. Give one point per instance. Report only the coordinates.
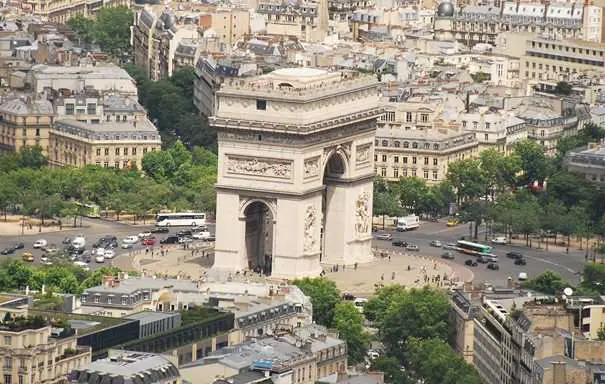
(589, 162)
(560, 60)
(306, 20)
(229, 24)
(25, 122)
(499, 130)
(32, 351)
(474, 24)
(420, 136)
(60, 11)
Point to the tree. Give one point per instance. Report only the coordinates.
(548, 282)
(601, 333)
(31, 157)
(432, 361)
(349, 323)
(534, 164)
(184, 78)
(412, 190)
(324, 296)
(570, 188)
(376, 307)
(421, 313)
(594, 277)
(466, 178)
(83, 28)
(563, 88)
(112, 30)
(391, 368)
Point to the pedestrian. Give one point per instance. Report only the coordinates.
(146, 251)
(343, 267)
(192, 252)
(60, 225)
(409, 268)
(393, 275)
(382, 277)
(389, 257)
(355, 266)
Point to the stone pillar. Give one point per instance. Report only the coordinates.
(229, 252)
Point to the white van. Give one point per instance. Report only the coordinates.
(359, 303)
(78, 242)
(408, 223)
(522, 276)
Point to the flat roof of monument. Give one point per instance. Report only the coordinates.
(300, 72)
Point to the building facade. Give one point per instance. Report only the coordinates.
(25, 122)
(589, 162)
(493, 130)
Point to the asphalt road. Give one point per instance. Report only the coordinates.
(92, 230)
(538, 260)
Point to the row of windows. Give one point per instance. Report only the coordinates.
(413, 173)
(409, 117)
(405, 159)
(475, 124)
(110, 300)
(124, 151)
(585, 51)
(406, 144)
(597, 63)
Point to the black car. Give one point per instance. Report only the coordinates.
(520, 261)
(170, 240)
(18, 246)
(7, 251)
(514, 255)
(399, 243)
(493, 266)
(482, 260)
(160, 230)
(471, 263)
(184, 233)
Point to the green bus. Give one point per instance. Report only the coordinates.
(475, 249)
(89, 210)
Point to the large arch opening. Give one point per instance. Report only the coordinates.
(259, 237)
(332, 208)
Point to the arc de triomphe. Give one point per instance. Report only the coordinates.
(296, 163)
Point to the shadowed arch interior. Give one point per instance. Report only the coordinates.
(259, 237)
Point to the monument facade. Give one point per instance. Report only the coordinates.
(295, 171)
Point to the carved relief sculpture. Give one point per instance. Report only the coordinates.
(311, 167)
(363, 153)
(310, 224)
(362, 214)
(259, 167)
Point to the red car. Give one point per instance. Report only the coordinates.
(149, 241)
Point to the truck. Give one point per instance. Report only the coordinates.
(407, 223)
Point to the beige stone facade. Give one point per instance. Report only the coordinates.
(295, 171)
(32, 356)
(60, 11)
(25, 123)
(231, 24)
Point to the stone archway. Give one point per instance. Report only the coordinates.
(259, 230)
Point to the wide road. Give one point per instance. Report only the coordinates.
(92, 230)
(538, 260)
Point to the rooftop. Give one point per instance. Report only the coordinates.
(109, 71)
(27, 107)
(142, 126)
(146, 317)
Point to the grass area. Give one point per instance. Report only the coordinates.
(104, 322)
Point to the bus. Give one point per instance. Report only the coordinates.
(474, 248)
(189, 219)
(91, 211)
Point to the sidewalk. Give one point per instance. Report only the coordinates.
(12, 227)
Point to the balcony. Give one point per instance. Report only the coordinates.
(71, 352)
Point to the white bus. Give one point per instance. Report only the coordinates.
(189, 219)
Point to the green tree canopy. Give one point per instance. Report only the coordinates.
(349, 323)
(548, 282)
(324, 296)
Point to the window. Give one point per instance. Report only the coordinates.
(8, 379)
(384, 158)
(124, 118)
(106, 164)
(426, 161)
(397, 144)
(96, 298)
(106, 151)
(69, 109)
(24, 132)
(144, 151)
(8, 340)
(375, 157)
(414, 145)
(486, 137)
(21, 381)
(424, 117)
(486, 125)
(396, 173)
(125, 151)
(426, 174)
(475, 124)
(385, 143)
(109, 299)
(406, 144)
(413, 173)
(405, 160)
(117, 151)
(435, 146)
(463, 124)
(261, 105)
(116, 164)
(134, 151)
(405, 173)
(108, 118)
(124, 300)
(98, 151)
(396, 159)
(434, 175)
(542, 132)
(383, 172)
(38, 132)
(91, 109)
(414, 160)
(8, 362)
(408, 117)
(22, 361)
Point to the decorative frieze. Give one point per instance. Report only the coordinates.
(362, 214)
(363, 153)
(275, 168)
(311, 167)
(310, 241)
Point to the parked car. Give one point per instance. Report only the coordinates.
(130, 239)
(100, 259)
(520, 261)
(452, 222)
(185, 240)
(399, 243)
(7, 251)
(40, 243)
(412, 248)
(100, 252)
(82, 265)
(44, 258)
(449, 246)
(384, 236)
(436, 243)
(26, 256)
(109, 253)
(160, 230)
(493, 266)
(447, 255)
(67, 240)
(150, 241)
(499, 240)
(202, 235)
(514, 255)
(170, 240)
(471, 263)
(126, 245)
(18, 246)
(144, 235)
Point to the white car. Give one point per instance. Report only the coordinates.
(82, 265)
(201, 235)
(100, 259)
(126, 245)
(100, 252)
(185, 240)
(499, 240)
(130, 240)
(522, 276)
(144, 235)
(109, 254)
(40, 243)
(44, 258)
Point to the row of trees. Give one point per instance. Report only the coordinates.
(552, 283)
(413, 325)
(175, 179)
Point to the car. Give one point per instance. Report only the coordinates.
(482, 260)
(51, 249)
(44, 258)
(501, 240)
(109, 254)
(412, 248)
(384, 236)
(436, 243)
(160, 230)
(41, 243)
(170, 240)
(452, 222)
(185, 240)
(184, 233)
(471, 263)
(126, 245)
(7, 251)
(522, 276)
(130, 239)
(449, 246)
(18, 246)
(100, 259)
(144, 235)
(47, 262)
(150, 241)
(520, 262)
(514, 255)
(67, 240)
(447, 255)
(26, 256)
(107, 241)
(399, 243)
(202, 235)
(493, 266)
(100, 252)
(82, 265)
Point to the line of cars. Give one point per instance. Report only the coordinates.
(397, 243)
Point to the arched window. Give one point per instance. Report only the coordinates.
(397, 144)
(435, 146)
(385, 143)
(406, 144)
(414, 145)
